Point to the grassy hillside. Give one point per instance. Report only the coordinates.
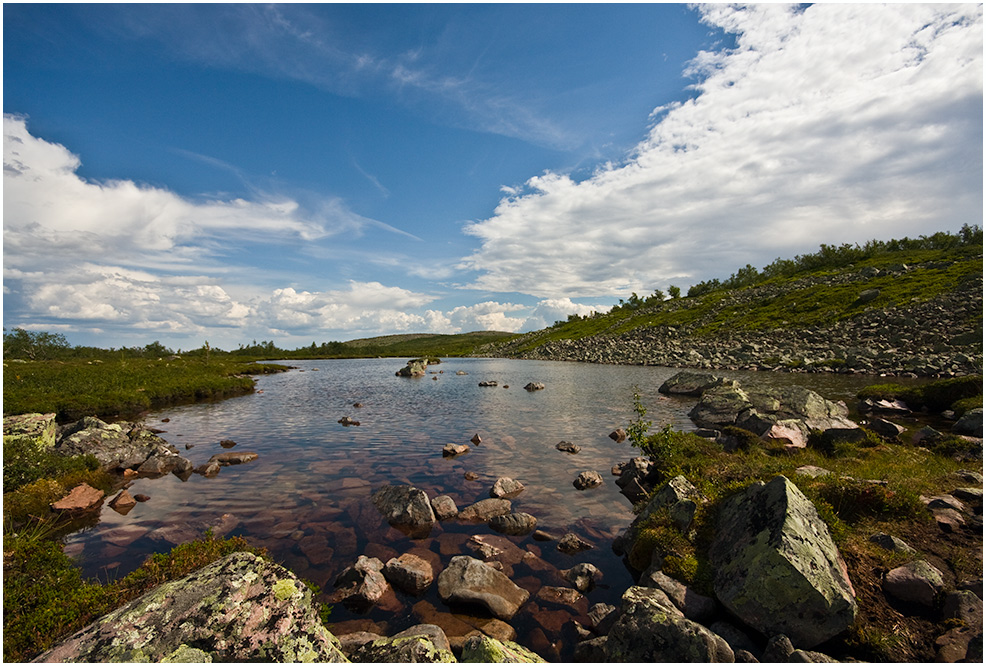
(809, 298)
(425, 344)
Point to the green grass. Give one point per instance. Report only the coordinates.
(72, 389)
(959, 394)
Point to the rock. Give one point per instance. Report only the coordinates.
(444, 507)
(350, 643)
(348, 421)
(587, 479)
(738, 640)
(514, 524)
(164, 462)
(409, 573)
(963, 605)
(637, 477)
(141, 497)
(227, 443)
(81, 498)
(973, 496)
(470, 476)
(568, 447)
(483, 550)
(891, 543)
(602, 617)
(592, 651)
(209, 469)
(240, 608)
(506, 487)
(362, 584)
(618, 435)
(423, 643)
(461, 373)
(971, 423)
(541, 535)
(467, 580)
(485, 509)
(778, 650)
(482, 649)
(924, 433)
(650, 629)
(115, 446)
(476, 439)
(889, 406)
(867, 295)
(693, 605)
(678, 496)
(812, 471)
(415, 368)
(231, 458)
(583, 576)
(776, 567)
(450, 450)
(886, 429)
(915, 582)
(405, 507)
(32, 433)
(692, 383)
(123, 502)
(960, 644)
(489, 383)
(571, 543)
(559, 596)
(534, 386)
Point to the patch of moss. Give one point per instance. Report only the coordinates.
(935, 396)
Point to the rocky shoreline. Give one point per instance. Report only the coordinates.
(938, 338)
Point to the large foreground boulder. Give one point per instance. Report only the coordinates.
(777, 568)
(241, 608)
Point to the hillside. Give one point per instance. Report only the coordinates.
(424, 344)
(898, 311)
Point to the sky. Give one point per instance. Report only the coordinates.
(319, 172)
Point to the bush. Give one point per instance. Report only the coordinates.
(852, 500)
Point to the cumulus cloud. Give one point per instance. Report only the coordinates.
(550, 310)
(832, 123)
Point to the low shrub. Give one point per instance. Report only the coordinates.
(853, 500)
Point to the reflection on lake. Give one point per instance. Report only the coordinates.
(306, 499)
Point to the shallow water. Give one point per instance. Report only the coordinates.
(306, 499)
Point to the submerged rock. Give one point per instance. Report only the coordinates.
(777, 568)
(240, 608)
(693, 383)
(405, 507)
(516, 524)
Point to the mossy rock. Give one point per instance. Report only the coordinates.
(482, 649)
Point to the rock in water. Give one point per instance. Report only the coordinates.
(241, 608)
(692, 383)
(587, 479)
(82, 498)
(421, 644)
(777, 568)
(467, 580)
(405, 507)
(481, 649)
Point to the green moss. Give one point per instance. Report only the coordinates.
(935, 396)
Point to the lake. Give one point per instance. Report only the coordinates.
(306, 498)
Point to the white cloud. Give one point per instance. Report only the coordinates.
(836, 123)
(548, 311)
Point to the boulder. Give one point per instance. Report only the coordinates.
(231, 458)
(420, 644)
(514, 524)
(651, 629)
(450, 450)
(506, 487)
(123, 502)
(618, 435)
(409, 572)
(583, 576)
(115, 445)
(485, 509)
(81, 498)
(29, 432)
(915, 582)
(240, 608)
(777, 568)
(481, 649)
(693, 605)
(970, 424)
(414, 368)
(444, 507)
(571, 543)
(467, 580)
(587, 479)
(692, 383)
(405, 507)
(886, 429)
(362, 584)
(534, 386)
(568, 447)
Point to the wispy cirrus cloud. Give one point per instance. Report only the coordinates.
(843, 122)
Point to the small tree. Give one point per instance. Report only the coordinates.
(674, 291)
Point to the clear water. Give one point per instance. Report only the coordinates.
(306, 498)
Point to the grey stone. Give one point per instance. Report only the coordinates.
(777, 568)
(485, 509)
(587, 479)
(583, 576)
(444, 507)
(915, 582)
(420, 644)
(571, 543)
(891, 543)
(451, 450)
(963, 605)
(506, 487)
(467, 580)
(362, 584)
(692, 383)
(694, 606)
(602, 617)
(405, 507)
(515, 524)
(886, 429)
(240, 608)
(971, 423)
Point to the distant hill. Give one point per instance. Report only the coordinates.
(426, 344)
(897, 307)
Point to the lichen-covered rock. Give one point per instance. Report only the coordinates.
(915, 582)
(587, 479)
(121, 446)
(777, 568)
(675, 492)
(481, 649)
(240, 608)
(29, 432)
(420, 644)
(651, 629)
(795, 408)
(695, 606)
(693, 383)
(467, 580)
(970, 424)
(414, 368)
(405, 507)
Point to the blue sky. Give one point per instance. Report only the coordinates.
(227, 173)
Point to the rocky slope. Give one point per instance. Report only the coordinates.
(939, 337)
